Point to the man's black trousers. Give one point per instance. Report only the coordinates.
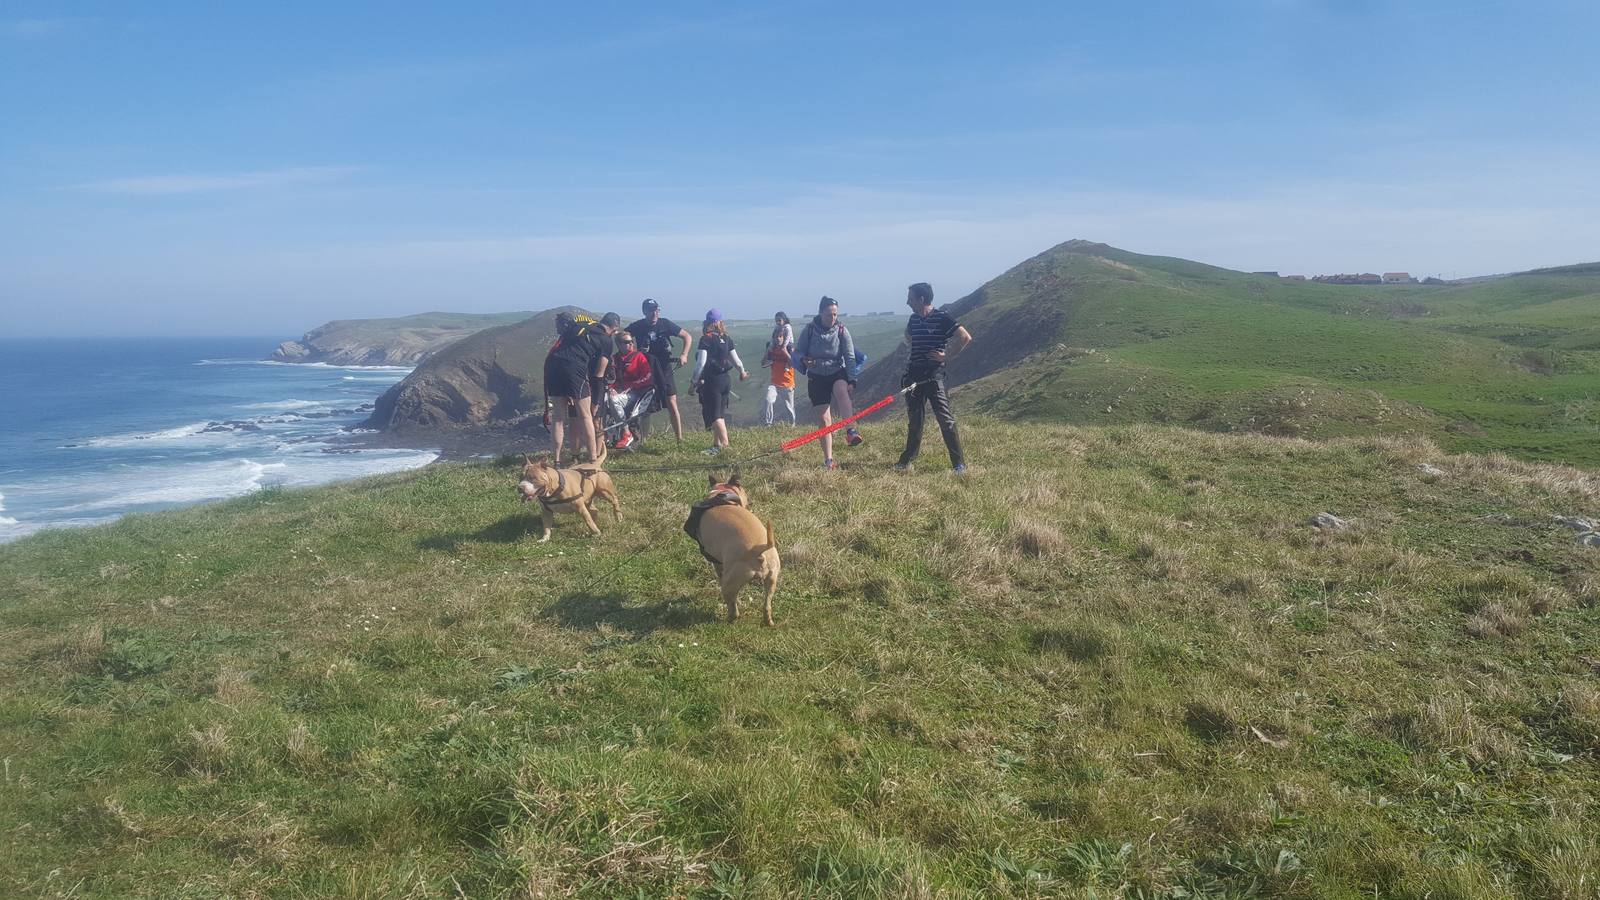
(930, 391)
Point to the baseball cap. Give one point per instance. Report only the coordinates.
(650, 305)
(713, 315)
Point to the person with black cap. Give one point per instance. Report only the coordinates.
(654, 335)
(712, 363)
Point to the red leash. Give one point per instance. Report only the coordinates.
(808, 438)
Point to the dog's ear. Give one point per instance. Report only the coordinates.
(734, 479)
(526, 461)
(711, 481)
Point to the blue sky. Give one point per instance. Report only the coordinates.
(212, 168)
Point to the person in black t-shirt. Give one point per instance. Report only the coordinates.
(654, 335)
(581, 353)
(712, 363)
(934, 337)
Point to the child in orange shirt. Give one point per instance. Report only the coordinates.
(779, 353)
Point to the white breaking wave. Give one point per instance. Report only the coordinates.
(5, 520)
(183, 484)
(142, 437)
(310, 365)
(290, 404)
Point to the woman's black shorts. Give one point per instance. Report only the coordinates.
(820, 387)
(563, 379)
(714, 398)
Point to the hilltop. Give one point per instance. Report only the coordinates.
(403, 341)
(1088, 333)
(1114, 661)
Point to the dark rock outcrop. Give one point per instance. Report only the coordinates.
(494, 377)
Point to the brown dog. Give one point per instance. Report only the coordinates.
(740, 546)
(569, 490)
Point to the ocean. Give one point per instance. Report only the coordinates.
(95, 429)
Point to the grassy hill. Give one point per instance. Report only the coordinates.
(402, 341)
(1113, 662)
(1087, 333)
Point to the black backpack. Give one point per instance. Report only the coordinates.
(719, 356)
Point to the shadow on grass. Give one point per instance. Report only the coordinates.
(509, 530)
(586, 612)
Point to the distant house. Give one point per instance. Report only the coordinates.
(1294, 278)
(1268, 274)
(1341, 278)
(1398, 278)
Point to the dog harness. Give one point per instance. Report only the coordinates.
(724, 496)
(561, 488)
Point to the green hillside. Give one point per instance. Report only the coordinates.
(1113, 662)
(1091, 334)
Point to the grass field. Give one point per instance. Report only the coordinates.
(1114, 662)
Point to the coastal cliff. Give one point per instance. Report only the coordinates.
(403, 341)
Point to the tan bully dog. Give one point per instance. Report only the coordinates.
(740, 546)
(568, 490)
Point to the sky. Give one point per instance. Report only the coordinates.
(201, 168)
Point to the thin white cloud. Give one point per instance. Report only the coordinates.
(200, 184)
(40, 28)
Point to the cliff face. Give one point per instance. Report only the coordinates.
(403, 341)
(496, 376)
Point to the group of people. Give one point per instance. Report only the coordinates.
(631, 371)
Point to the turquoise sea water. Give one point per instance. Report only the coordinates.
(91, 430)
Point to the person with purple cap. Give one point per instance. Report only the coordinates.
(712, 363)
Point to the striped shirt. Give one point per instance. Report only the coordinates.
(928, 333)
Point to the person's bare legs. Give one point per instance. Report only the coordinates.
(677, 418)
(827, 440)
(719, 433)
(558, 426)
(843, 407)
(586, 426)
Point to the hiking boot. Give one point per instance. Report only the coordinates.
(902, 467)
(829, 464)
(711, 451)
(852, 437)
(960, 470)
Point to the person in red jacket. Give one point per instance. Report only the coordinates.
(633, 391)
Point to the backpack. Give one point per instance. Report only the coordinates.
(719, 359)
(573, 326)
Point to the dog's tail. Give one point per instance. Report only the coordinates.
(772, 540)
